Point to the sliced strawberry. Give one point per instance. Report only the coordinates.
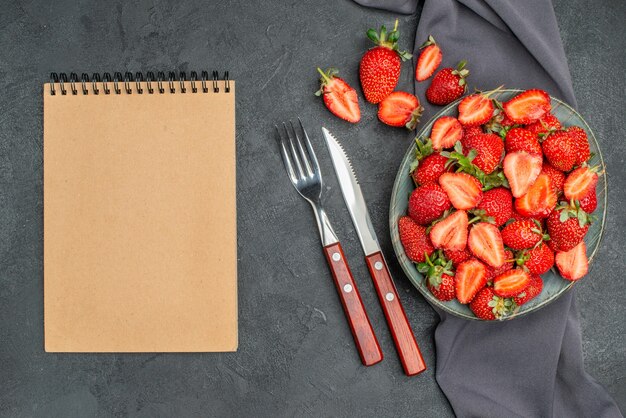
(511, 283)
(540, 199)
(573, 264)
(527, 106)
(470, 277)
(400, 109)
(429, 59)
(579, 183)
(445, 132)
(464, 190)
(451, 232)
(475, 110)
(485, 242)
(521, 170)
(339, 97)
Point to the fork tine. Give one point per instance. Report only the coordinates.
(294, 153)
(303, 154)
(309, 147)
(285, 154)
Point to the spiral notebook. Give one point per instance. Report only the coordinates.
(139, 213)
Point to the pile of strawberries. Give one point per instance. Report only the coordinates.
(504, 192)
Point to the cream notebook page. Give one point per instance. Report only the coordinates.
(140, 220)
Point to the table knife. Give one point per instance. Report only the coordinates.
(403, 337)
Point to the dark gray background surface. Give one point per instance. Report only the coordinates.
(296, 356)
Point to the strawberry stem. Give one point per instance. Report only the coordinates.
(324, 76)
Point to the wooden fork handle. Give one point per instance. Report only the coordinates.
(403, 337)
(360, 325)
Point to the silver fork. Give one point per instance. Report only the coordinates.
(304, 172)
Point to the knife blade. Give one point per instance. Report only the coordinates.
(406, 345)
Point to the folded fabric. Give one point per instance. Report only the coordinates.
(540, 374)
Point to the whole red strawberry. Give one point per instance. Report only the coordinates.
(520, 139)
(486, 305)
(457, 256)
(489, 148)
(448, 85)
(532, 291)
(439, 277)
(547, 123)
(430, 169)
(519, 235)
(470, 131)
(589, 203)
(580, 143)
(497, 203)
(560, 150)
(557, 177)
(414, 240)
(567, 227)
(539, 259)
(379, 69)
(428, 165)
(427, 203)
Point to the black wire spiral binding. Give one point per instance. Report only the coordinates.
(135, 84)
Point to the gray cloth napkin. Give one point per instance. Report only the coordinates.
(531, 366)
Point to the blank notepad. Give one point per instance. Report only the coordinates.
(140, 217)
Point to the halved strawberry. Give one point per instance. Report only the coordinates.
(470, 277)
(464, 190)
(521, 170)
(475, 110)
(573, 264)
(540, 199)
(527, 106)
(533, 290)
(445, 132)
(579, 183)
(429, 59)
(451, 232)
(511, 283)
(485, 242)
(339, 97)
(400, 109)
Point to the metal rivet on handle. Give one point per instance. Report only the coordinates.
(378, 265)
(336, 256)
(389, 296)
(347, 288)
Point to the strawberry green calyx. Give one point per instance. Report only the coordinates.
(573, 210)
(326, 78)
(415, 118)
(423, 148)
(430, 41)
(388, 40)
(434, 268)
(463, 163)
(502, 307)
(462, 72)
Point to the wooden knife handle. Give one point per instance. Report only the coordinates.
(362, 330)
(407, 347)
